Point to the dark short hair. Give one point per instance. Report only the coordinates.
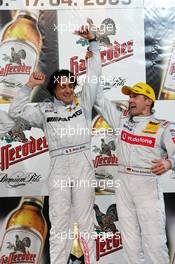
(55, 78)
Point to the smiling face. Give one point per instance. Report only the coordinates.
(139, 105)
(64, 90)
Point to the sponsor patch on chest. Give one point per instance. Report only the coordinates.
(138, 140)
(64, 119)
(152, 128)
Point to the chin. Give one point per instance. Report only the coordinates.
(67, 100)
(132, 112)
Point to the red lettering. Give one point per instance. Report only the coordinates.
(109, 243)
(11, 69)
(22, 152)
(138, 140)
(117, 51)
(102, 246)
(39, 143)
(11, 154)
(74, 65)
(130, 45)
(105, 161)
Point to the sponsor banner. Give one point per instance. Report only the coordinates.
(104, 154)
(122, 45)
(105, 162)
(24, 161)
(109, 247)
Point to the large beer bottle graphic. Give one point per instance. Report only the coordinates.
(167, 90)
(25, 233)
(76, 255)
(19, 51)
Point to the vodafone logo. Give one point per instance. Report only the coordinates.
(138, 140)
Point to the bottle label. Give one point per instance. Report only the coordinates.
(20, 245)
(169, 83)
(17, 62)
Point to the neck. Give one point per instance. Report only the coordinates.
(65, 103)
(146, 112)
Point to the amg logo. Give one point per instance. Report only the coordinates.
(57, 118)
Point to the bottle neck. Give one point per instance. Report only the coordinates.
(32, 203)
(28, 17)
(76, 231)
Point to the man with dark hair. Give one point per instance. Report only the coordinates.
(70, 153)
(57, 77)
(146, 149)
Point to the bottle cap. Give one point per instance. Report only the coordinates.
(32, 13)
(36, 199)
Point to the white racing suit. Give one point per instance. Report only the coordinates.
(140, 201)
(68, 133)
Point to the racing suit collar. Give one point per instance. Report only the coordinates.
(141, 118)
(61, 103)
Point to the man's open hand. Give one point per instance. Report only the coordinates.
(161, 166)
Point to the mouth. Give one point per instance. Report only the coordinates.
(131, 107)
(67, 96)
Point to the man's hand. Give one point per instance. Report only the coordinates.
(36, 78)
(85, 33)
(161, 166)
(89, 54)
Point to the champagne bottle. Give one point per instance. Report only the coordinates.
(76, 255)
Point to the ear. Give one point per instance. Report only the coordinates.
(148, 102)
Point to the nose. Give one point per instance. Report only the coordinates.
(130, 100)
(68, 89)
